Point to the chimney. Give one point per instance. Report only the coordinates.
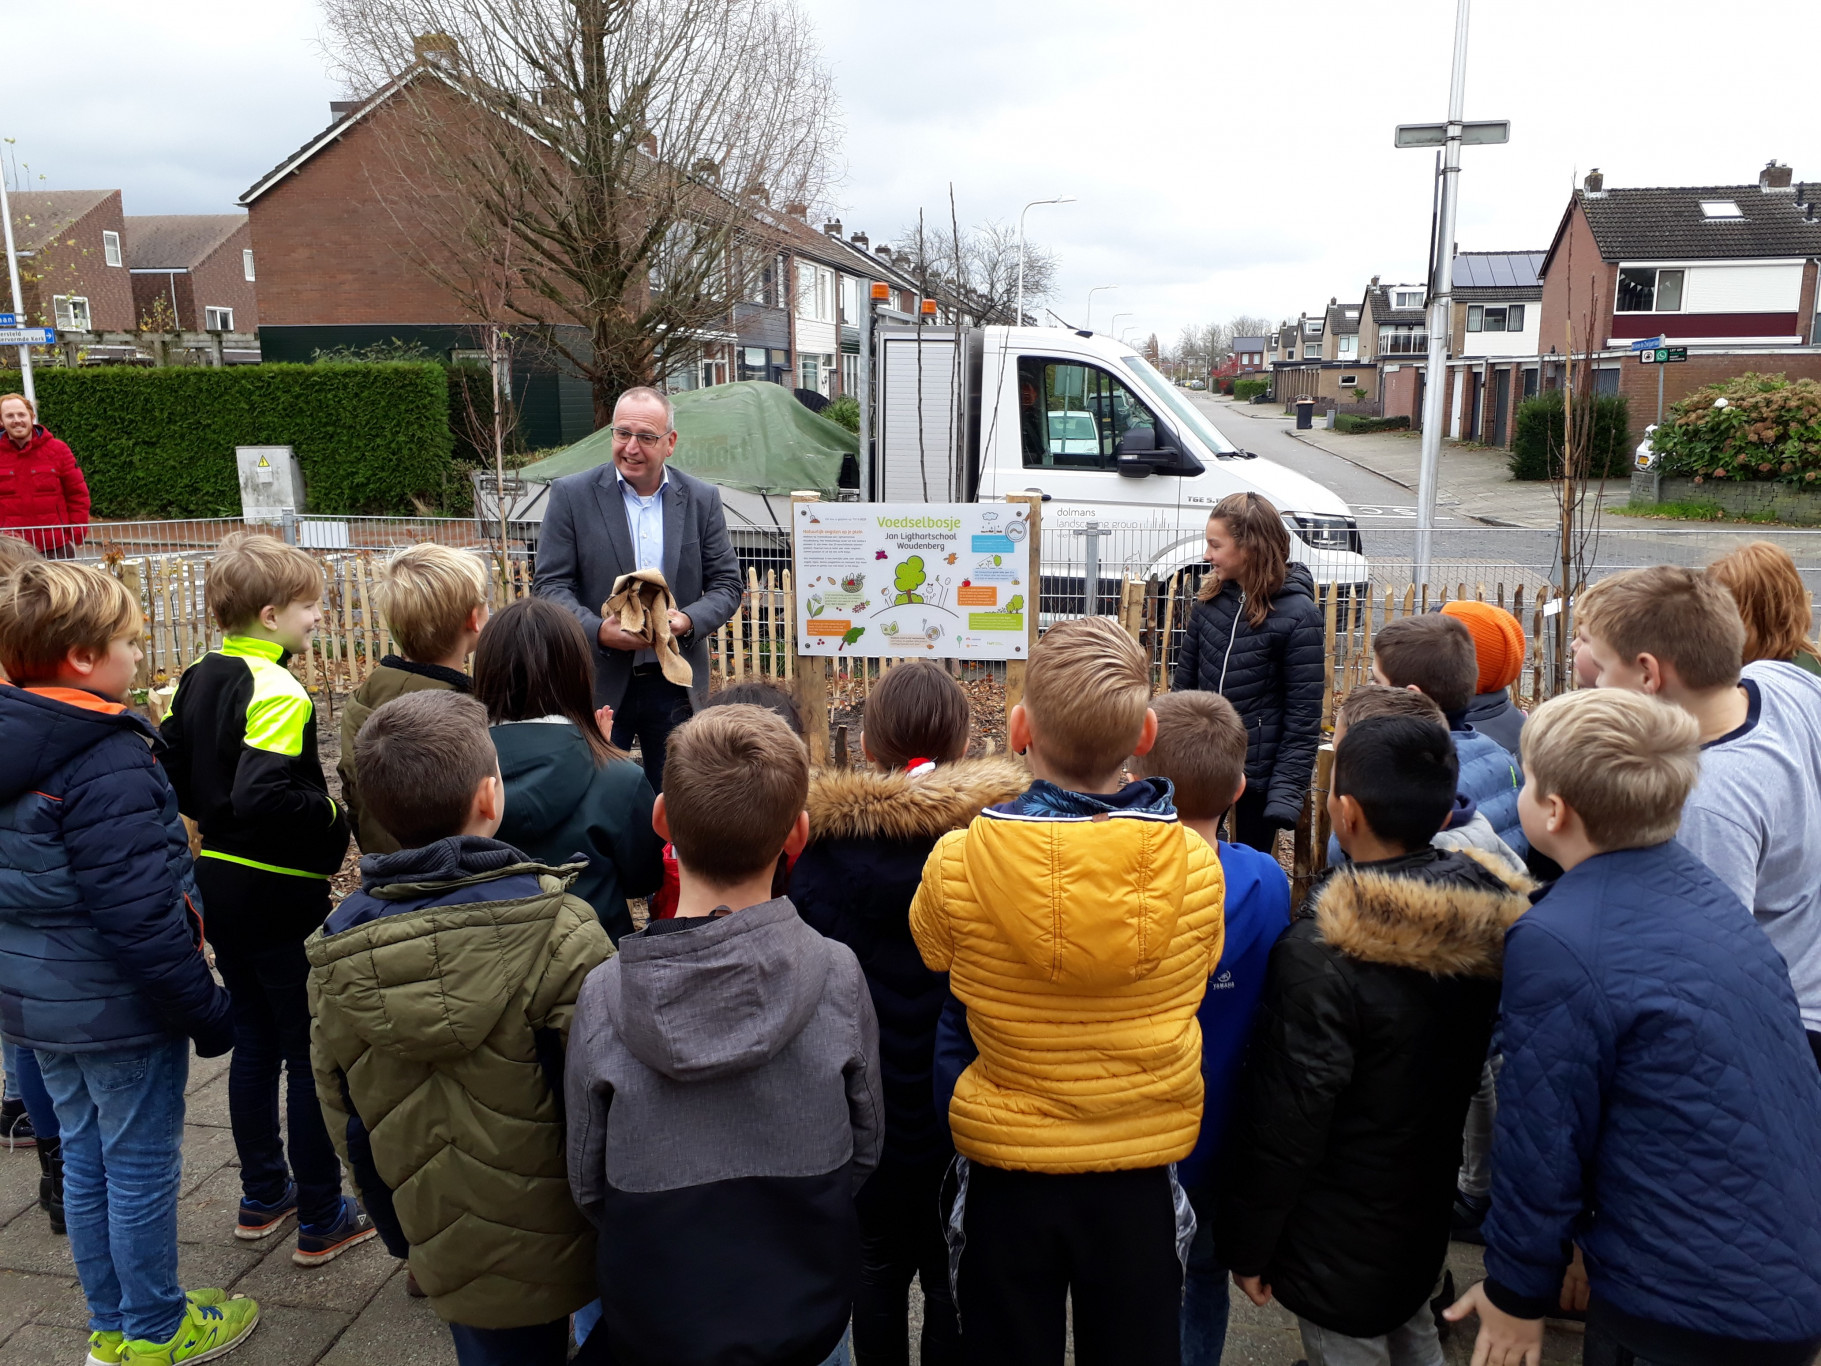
(1375, 282)
(1595, 182)
(437, 49)
(1332, 300)
(1775, 178)
(756, 190)
(341, 109)
(709, 169)
(859, 239)
(883, 250)
(650, 143)
(832, 227)
(798, 211)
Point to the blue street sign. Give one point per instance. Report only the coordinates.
(1648, 343)
(9, 320)
(27, 336)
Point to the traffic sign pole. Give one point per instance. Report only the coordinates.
(12, 269)
(1659, 396)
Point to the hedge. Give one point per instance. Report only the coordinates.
(1750, 427)
(1536, 437)
(160, 442)
(1353, 422)
(1246, 389)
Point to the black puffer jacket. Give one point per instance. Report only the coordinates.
(1337, 1177)
(1272, 674)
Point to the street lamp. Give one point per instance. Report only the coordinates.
(1113, 327)
(1018, 320)
(1089, 322)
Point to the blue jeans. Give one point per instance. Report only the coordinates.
(272, 1030)
(541, 1344)
(25, 1081)
(1204, 1302)
(122, 1118)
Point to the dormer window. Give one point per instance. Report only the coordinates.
(1720, 209)
(1407, 298)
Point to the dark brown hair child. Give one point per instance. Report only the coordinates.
(871, 829)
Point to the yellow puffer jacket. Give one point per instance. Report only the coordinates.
(1081, 949)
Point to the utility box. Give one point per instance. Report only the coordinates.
(271, 484)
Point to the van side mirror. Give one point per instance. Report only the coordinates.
(1138, 456)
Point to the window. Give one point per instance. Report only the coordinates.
(1494, 319)
(72, 312)
(1311, 351)
(1720, 208)
(1072, 416)
(217, 320)
(806, 294)
(1346, 347)
(1514, 318)
(850, 374)
(850, 298)
(110, 247)
(807, 373)
(1645, 289)
(1348, 381)
(1407, 298)
(246, 263)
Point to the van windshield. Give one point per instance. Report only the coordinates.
(1191, 417)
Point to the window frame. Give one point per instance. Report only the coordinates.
(212, 313)
(1514, 317)
(1108, 432)
(1397, 295)
(246, 265)
(65, 304)
(1619, 283)
(110, 248)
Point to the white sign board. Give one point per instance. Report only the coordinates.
(945, 581)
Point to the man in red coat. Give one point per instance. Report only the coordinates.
(41, 485)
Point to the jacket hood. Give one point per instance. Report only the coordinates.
(548, 766)
(41, 731)
(722, 997)
(863, 803)
(430, 984)
(1486, 706)
(1449, 920)
(1465, 809)
(1091, 901)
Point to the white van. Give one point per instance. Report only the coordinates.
(976, 413)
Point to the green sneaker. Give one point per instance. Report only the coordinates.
(207, 1331)
(107, 1349)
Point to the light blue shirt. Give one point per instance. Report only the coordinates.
(645, 520)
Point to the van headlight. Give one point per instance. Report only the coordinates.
(1327, 533)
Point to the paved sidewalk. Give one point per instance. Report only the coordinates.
(1475, 480)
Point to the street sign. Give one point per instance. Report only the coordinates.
(1663, 355)
(1648, 343)
(1481, 132)
(27, 336)
(9, 320)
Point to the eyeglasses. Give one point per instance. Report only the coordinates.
(645, 439)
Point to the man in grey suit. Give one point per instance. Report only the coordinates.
(630, 515)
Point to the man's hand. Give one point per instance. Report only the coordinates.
(613, 636)
(1504, 1340)
(1575, 1290)
(1258, 1291)
(680, 624)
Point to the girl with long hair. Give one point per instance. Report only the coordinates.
(1255, 637)
(568, 790)
(1779, 616)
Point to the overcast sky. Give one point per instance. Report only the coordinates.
(1224, 157)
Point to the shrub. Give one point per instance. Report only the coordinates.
(1750, 427)
(1353, 422)
(1537, 435)
(370, 438)
(845, 410)
(1247, 389)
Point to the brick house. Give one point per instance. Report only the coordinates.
(1250, 353)
(1728, 271)
(197, 269)
(72, 259)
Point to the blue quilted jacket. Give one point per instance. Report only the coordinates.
(1659, 1105)
(1491, 777)
(100, 927)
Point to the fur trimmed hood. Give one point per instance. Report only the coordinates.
(1446, 926)
(863, 803)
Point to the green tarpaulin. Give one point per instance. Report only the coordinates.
(752, 435)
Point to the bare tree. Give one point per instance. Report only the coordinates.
(977, 268)
(628, 149)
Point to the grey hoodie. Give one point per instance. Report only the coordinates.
(724, 1107)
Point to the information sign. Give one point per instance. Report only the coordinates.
(945, 581)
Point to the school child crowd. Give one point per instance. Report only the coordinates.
(1029, 1031)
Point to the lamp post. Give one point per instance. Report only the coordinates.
(1449, 136)
(1088, 323)
(1113, 327)
(1018, 319)
(12, 268)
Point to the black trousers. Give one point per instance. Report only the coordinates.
(900, 1237)
(1103, 1241)
(1814, 1043)
(652, 707)
(1249, 824)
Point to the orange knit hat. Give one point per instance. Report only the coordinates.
(1498, 640)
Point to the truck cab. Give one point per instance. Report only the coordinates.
(1112, 445)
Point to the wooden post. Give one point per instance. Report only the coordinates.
(1165, 663)
(1327, 687)
(1033, 590)
(812, 670)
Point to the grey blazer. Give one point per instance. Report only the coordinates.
(586, 545)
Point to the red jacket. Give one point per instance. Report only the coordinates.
(42, 486)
